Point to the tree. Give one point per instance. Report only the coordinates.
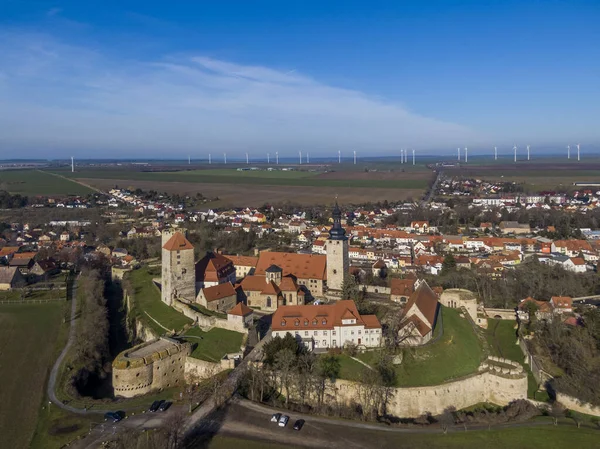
(350, 289)
(449, 264)
(285, 363)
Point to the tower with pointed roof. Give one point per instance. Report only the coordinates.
(338, 263)
(178, 278)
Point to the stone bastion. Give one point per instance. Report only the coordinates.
(152, 365)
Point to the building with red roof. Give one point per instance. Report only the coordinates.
(328, 325)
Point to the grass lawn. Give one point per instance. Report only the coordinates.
(350, 369)
(28, 338)
(214, 343)
(146, 299)
(457, 353)
(15, 295)
(56, 427)
(502, 338)
(37, 182)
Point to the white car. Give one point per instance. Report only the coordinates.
(275, 417)
(283, 421)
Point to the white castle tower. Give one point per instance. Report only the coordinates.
(338, 263)
(178, 278)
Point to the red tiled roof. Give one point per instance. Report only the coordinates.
(243, 261)
(219, 291)
(562, 302)
(324, 316)
(402, 287)
(240, 309)
(303, 266)
(177, 243)
(425, 300)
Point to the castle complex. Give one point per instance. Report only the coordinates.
(276, 279)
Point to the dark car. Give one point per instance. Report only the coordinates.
(164, 406)
(299, 424)
(155, 406)
(114, 416)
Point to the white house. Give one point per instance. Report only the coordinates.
(327, 326)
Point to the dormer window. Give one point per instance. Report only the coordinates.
(283, 323)
(324, 321)
(306, 322)
(314, 322)
(297, 322)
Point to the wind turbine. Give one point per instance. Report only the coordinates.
(466, 155)
(339, 157)
(458, 152)
(354, 157)
(209, 159)
(225, 158)
(247, 159)
(528, 152)
(300, 156)
(72, 165)
(307, 158)
(413, 151)
(568, 151)
(515, 149)
(268, 158)
(578, 153)
(277, 157)
(495, 153)
(189, 160)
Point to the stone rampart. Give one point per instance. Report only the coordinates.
(201, 369)
(576, 405)
(152, 365)
(503, 314)
(539, 374)
(375, 289)
(206, 322)
(489, 385)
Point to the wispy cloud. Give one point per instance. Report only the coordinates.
(53, 12)
(56, 96)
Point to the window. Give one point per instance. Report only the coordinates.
(315, 332)
(324, 332)
(306, 333)
(283, 323)
(314, 322)
(333, 333)
(324, 342)
(351, 332)
(334, 343)
(324, 321)
(359, 332)
(306, 322)
(297, 322)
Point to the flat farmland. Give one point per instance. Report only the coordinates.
(256, 195)
(546, 175)
(38, 182)
(28, 335)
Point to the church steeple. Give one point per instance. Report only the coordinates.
(337, 232)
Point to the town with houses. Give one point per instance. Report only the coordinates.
(338, 280)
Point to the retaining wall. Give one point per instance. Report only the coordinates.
(577, 405)
(208, 322)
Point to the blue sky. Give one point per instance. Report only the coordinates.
(167, 79)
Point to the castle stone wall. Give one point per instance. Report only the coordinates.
(208, 322)
(576, 405)
(487, 386)
(152, 365)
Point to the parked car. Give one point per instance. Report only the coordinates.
(275, 417)
(155, 406)
(114, 416)
(283, 421)
(164, 406)
(299, 424)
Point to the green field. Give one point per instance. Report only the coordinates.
(28, 338)
(262, 177)
(457, 353)
(540, 437)
(146, 301)
(34, 295)
(37, 182)
(214, 344)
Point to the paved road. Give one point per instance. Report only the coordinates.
(433, 188)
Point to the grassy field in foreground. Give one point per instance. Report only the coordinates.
(37, 182)
(146, 301)
(214, 344)
(457, 353)
(28, 335)
(546, 437)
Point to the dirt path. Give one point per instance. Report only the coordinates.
(75, 181)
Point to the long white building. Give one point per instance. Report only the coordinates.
(327, 326)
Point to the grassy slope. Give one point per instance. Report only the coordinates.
(502, 339)
(27, 344)
(15, 295)
(36, 182)
(147, 299)
(250, 178)
(457, 353)
(215, 343)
